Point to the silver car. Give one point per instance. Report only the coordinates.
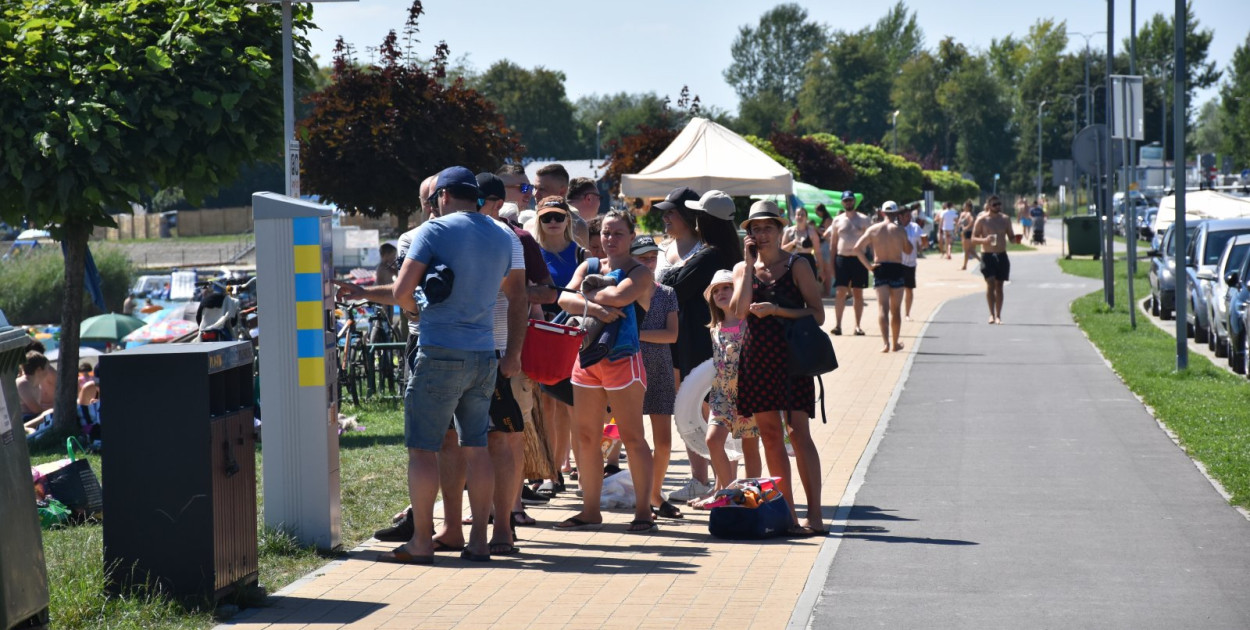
(1217, 298)
(1204, 253)
(1162, 272)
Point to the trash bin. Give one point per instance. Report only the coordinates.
(181, 468)
(1083, 236)
(23, 572)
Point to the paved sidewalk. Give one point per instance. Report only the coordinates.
(680, 577)
(1020, 484)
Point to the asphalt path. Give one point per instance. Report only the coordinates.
(1020, 484)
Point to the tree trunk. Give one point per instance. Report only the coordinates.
(75, 238)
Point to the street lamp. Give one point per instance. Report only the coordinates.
(598, 150)
(1088, 102)
(894, 123)
(995, 183)
(1039, 148)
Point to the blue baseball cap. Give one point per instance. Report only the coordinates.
(847, 193)
(457, 177)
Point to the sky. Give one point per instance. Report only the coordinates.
(652, 46)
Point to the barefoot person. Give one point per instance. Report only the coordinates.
(889, 244)
(770, 287)
(849, 274)
(992, 231)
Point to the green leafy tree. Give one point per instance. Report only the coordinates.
(847, 89)
(1209, 130)
(1035, 81)
(924, 122)
(622, 114)
(105, 102)
(1235, 104)
(770, 57)
(820, 167)
(763, 114)
(898, 35)
(772, 152)
(980, 119)
(881, 176)
(533, 103)
(378, 130)
(951, 186)
(1155, 47)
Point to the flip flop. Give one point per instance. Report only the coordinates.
(440, 546)
(503, 549)
(574, 523)
(474, 557)
(401, 556)
(803, 531)
(859, 332)
(667, 510)
(635, 529)
(837, 330)
(522, 519)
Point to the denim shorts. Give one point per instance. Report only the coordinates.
(447, 384)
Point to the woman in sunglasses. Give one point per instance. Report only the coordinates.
(555, 236)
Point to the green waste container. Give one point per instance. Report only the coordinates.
(23, 572)
(1083, 236)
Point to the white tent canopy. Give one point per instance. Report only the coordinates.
(1200, 205)
(706, 156)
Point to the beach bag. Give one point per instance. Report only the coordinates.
(551, 346)
(75, 484)
(810, 353)
(765, 517)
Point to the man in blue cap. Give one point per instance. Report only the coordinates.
(456, 362)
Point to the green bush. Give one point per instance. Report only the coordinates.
(767, 148)
(882, 176)
(951, 186)
(34, 284)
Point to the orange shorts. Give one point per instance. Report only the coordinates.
(611, 375)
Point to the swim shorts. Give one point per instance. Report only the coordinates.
(995, 265)
(610, 375)
(889, 274)
(849, 272)
(909, 276)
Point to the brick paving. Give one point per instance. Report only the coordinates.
(678, 577)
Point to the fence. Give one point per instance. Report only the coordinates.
(189, 223)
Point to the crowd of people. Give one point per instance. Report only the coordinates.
(36, 390)
(498, 250)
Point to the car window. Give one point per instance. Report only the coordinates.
(1216, 242)
(1237, 256)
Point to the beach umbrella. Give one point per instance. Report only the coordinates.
(109, 327)
(163, 331)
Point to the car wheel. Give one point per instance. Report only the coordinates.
(1245, 353)
(1154, 306)
(1235, 360)
(1221, 346)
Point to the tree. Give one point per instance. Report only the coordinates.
(770, 57)
(924, 121)
(979, 118)
(1155, 45)
(534, 105)
(951, 186)
(772, 152)
(378, 130)
(1235, 103)
(820, 166)
(763, 114)
(881, 176)
(107, 101)
(622, 113)
(1209, 130)
(898, 35)
(846, 89)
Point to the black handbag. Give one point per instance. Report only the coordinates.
(810, 353)
(76, 485)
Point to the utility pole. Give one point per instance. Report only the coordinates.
(895, 124)
(1178, 184)
(1108, 261)
(1040, 104)
(1089, 104)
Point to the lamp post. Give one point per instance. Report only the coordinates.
(1088, 102)
(995, 183)
(1039, 149)
(894, 123)
(598, 150)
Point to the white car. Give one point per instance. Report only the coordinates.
(1217, 289)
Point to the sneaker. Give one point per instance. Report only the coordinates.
(529, 497)
(692, 490)
(399, 532)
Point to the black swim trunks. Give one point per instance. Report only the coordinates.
(889, 274)
(849, 272)
(995, 265)
(909, 276)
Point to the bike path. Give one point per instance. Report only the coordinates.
(1019, 483)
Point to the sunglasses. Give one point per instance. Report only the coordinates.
(552, 217)
(525, 188)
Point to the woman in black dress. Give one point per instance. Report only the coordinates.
(771, 286)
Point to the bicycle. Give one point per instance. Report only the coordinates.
(351, 348)
(380, 365)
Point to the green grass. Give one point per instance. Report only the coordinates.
(1205, 406)
(374, 486)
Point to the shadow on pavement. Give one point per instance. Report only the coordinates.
(307, 610)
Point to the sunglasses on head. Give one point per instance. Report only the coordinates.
(552, 217)
(525, 188)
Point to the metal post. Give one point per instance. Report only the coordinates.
(288, 98)
(598, 149)
(1130, 211)
(1038, 198)
(1108, 261)
(1178, 176)
(894, 122)
(1130, 165)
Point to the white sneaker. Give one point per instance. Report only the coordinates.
(691, 491)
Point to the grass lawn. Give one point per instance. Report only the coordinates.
(374, 487)
(1205, 406)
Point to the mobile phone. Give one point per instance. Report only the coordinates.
(753, 250)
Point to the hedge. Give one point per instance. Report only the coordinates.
(951, 186)
(34, 284)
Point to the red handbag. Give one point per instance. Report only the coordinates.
(549, 351)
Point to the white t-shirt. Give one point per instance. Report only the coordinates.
(949, 216)
(500, 314)
(662, 262)
(914, 234)
(401, 246)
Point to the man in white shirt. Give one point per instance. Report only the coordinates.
(948, 217)
(919, 240)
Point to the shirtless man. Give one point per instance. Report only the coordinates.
(849, 274)
(992, 231)
(889, 244)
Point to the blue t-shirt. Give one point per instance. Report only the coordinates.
(479, 255)
(562, 265)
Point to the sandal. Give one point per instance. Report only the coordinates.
(642, 526)
(521, 519)
(503, 549)
(667, 510)
(402, 556)
(574, 523)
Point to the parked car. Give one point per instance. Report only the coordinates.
(1162, 273)
(1204, 253)
(1217, 297)
(1144, 232)
(1238, 296)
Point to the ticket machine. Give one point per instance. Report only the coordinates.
(298, 397)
